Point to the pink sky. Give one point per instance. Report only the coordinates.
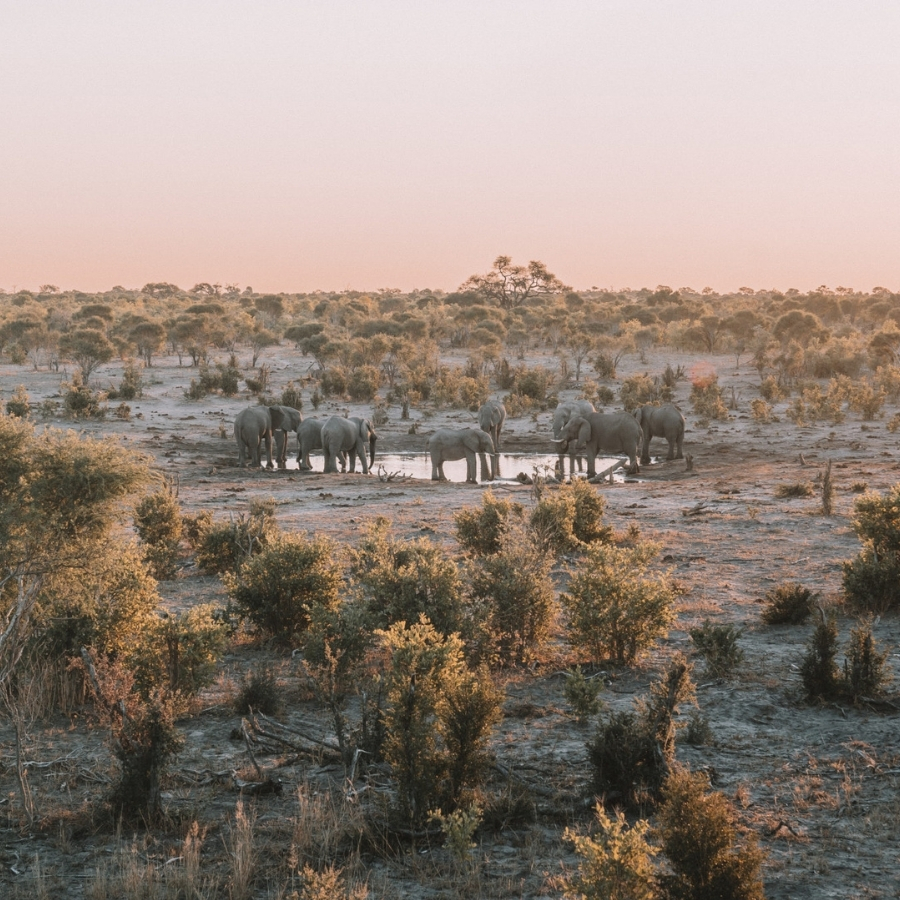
(295, 145)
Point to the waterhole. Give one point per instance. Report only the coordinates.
(418, 465)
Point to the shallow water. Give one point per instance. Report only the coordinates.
(418, 465)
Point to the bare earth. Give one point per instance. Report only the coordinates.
(818, 785)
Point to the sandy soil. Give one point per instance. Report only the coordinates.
(818, 784)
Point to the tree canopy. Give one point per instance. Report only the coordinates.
(510, 286)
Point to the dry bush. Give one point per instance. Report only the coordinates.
(717, 644)
(631, 752)
(707, 397)
(788, 604)
(513, 593)
(225, 546)
(795, 490)
(616, 609)
(157, 520)
(275, 588)
(702, 844)
(481, 531)
(403, 580)
(761, 411)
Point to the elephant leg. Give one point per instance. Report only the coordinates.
(678, 445)
(591, 464)
(470, 468)
(645, 449)
(343, 458)
(268, 440)
(363, 458)
(486, 474)
(671, 453)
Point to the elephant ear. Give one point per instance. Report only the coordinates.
(639, 415)
(278, 418)
(584, 432)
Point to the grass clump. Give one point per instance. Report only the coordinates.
(791, 491)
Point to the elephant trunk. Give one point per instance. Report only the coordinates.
(372, 440)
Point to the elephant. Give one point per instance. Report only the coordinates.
(341, 435)
(256, 424)
(603, 432)
(491, 417)
(456, 443)
(309, 437)
(661, 421)
(561, 416)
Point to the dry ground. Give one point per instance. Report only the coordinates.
(818, 784)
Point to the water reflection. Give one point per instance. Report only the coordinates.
(418, 465)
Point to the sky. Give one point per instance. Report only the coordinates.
(296, 145)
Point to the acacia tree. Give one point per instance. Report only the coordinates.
(87, 348)
(510, 286)
(59, 495)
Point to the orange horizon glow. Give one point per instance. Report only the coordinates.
(299, 146)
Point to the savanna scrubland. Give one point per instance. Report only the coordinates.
(277, 683)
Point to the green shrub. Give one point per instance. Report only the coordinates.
(616, 610)
(19, 405)
(275, 588)
(223, 547)
(260, 692)
(701, 842)
(514, 594)
(291, 396)
(631, 752)
(819, 671)
(179, 652)
(865, 669)
(481, 531)
(872, 580)
(333, 382)
(583, 694)
(109, 607)
(717, 644)
(403, 580)
(81, 402)
(437, 720)
(131, 387)
(587, 525)
(157, 520)
(552, 523)
(788, 604)
(362, 385)
(145, 745)
(617, 864)
(640, 389)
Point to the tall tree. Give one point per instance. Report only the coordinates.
(510, 286)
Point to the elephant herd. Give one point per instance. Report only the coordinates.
(577, 429)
